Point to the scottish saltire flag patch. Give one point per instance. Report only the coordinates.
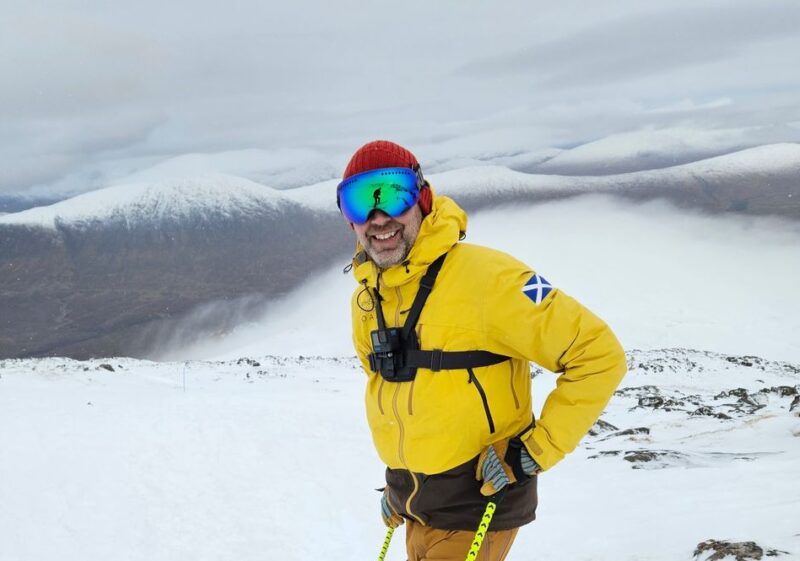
(537, 289)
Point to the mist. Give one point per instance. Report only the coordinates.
(660, 276)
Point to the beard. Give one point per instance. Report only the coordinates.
(387, 257)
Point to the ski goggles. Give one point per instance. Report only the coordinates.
(390, 190)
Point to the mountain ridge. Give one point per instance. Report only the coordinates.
(109, 271)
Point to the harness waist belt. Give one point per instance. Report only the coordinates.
(437, 360)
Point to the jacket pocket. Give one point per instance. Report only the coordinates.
(474, 380)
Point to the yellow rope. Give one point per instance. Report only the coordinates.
(483, 527)
(386, 542)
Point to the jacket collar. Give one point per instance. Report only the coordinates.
(438, 233)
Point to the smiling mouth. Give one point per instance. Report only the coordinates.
(385, 236)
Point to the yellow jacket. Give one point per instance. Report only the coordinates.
(440, 420)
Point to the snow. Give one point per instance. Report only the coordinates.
(166, 200)
(636, 149)
(271, 458)
(218, 193)
(658, 275)
(496, 180)
(662, 276)
(760, 159)
(281, 169)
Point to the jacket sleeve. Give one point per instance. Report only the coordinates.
(563, 336)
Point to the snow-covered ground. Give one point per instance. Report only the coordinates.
(270, 458)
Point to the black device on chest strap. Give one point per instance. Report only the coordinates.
(395, 352)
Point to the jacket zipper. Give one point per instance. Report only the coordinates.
(411, 389)
(513, 389)
(399, 306)
(403, 457)
(397, 314)
(474, 380)
(380, 396)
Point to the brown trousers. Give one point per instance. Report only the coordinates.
(429, 544)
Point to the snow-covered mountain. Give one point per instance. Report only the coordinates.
(246, 459)
(156, 203)
(282, 168)
(757, 174)
(111, 271)
(649, 149)
(105, 272)
(761, 180)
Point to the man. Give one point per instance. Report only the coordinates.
(445, 331)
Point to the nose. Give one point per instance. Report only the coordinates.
(379, 218)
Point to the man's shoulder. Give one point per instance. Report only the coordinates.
(484, 260)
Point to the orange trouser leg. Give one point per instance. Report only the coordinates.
(429, 544)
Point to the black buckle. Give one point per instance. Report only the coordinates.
(373, 362)
(436, 360)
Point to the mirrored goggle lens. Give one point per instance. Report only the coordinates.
(391, 190)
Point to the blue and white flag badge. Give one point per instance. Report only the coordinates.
(537, 289)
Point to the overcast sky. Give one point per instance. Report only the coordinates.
(93, 91)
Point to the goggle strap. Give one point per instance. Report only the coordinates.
(421, 181)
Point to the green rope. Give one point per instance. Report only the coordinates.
(480, 533)
(386, 542)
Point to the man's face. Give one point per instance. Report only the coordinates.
(388, 240)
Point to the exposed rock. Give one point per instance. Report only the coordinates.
(743, 360)
(782, 391)
(708, 411)
(605, 453)
(629, 432)
(600, 427)
(248, 361)
(716, 550)
(644, 456)
(106, 366)
(653, 401)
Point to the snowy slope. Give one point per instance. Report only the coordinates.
(655, 148)
(213, 193)
(496, 181)
(270, 458)
(658, 275)
(257, 229)
(283, 168)
(156, 201)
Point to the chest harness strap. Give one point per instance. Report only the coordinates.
(395, 352)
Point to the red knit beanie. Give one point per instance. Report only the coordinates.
(385, 154)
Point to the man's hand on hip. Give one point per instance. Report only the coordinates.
(496, 473)
(390, 517)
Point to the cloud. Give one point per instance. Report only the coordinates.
(92, 93)
(645, 44)
(660, 276)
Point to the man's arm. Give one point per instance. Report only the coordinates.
(558, 333)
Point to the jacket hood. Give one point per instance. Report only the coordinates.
(440, 230)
